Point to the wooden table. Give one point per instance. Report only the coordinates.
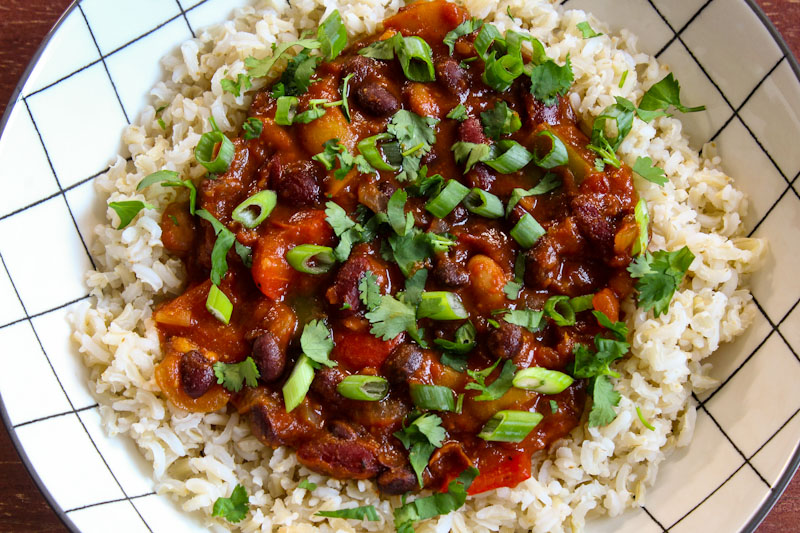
(23, 25)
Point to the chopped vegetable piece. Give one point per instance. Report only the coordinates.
(436, 504)
(557, 155)
(128, 209)
(642, 216)
(252, 128)
(553, 406)
(526, 318)
(421, 437)
(392, 317)
(659, 275)
(400, 221)
(510, 157)
(416, 59)
(365, 512)
(372, 153)
(548, 183)
(317, 343)
(306, 484)
(233, 376)
(527, 231)
(415, 135)
(471, 153)
(296, 387)
(510, 426)
(542, 380)
(224, 242)
(622, 114)
(364, 388)
(369, 290)
(622, 79)
(660, 97)
(464, 340)
(235, 508)
(345, 93)
(549, 81)
(441, 305)
(433, 397)
(604, 399)
(218, 304)
(484, 204)
(559, 310)
(619, 329)
(644, 422)
(458, 113)
(500, 120)
(332, 35)
(333, 150)
(645, 168)
(236, 87)
(465, 28)
(498, 387)
(311, 258)
(444, 202)
(211, 143)
(259, 68)
(581, 303)
(255, 210)
(512, 287)
(587, 30)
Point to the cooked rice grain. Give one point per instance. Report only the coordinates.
(197, 458)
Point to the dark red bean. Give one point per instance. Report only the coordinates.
(269, 359)
(298, 184)
(376, 99)
(402, 363)
(397, 480)
(450, 273)
(324, 385)
(505, 341)
(197, 374)
(344, 291)
(593, 213)
(451, 75)
(471, 131)
(342, 459)
(262, 428)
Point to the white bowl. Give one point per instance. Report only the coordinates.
(92, 76)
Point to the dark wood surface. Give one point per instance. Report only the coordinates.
(23, 25)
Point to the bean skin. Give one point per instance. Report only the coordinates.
(197, 375)
(269, 359)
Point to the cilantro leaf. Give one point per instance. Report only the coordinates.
(259, 68)
(421, 437)
(369, 291)
(645, 168)
(235, 508)
(392, 317)
(604, 399)
(548, 183)
(659, 276)
(365, 512)
(590, 365)
(233, 376)
(382, 49)
(306, 484)
(660, 97)
(332, 35)
(415, 286)
(410, 249)
(252, 128)
(465, 28)
(235, 87)
(337, 217)
(458, 113)
(512, 287)
(416, 136)
(549, 81)
(333, 150)
(317, 343)
(498, 387)
(223, 244)
(553, 406)
(400, 221)
(622, 114)
(128, 209)
(527, 318)
(587, 31)
(436, 504)
(619, 329)
(471, 153)
(464, 340)
(500, 120)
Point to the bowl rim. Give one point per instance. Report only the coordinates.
(761, 513)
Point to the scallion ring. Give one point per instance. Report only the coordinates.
(433, 397)
(484, 204)
(364, 388)
(447, 200)
(204, 153)
(500, 73)
(286, 110)
(372, 153)
(416, 59)
(513, 157)
(510, 426)
(218, 304)
(557, 155)
(642, 216)
(253, 211)
(296, 387)
(311, 258)
(527, 231)
(441, 305)
(559, 309)
(581, 303)
(542, 380)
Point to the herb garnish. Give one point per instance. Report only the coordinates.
(232, 509)
(233, 376)
(498, 387)
(659, 275)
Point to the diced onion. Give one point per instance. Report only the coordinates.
(364, 388)
(542, 380)
(433, 397)
(484, 204)
(296, 387)
(510, 426)
(447, 200)
(442, 305)
(219, 305)
(527, 231)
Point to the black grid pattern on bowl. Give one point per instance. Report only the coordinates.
(774, 322)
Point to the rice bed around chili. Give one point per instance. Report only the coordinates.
(200, 457)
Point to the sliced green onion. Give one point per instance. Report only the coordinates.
(484, 204)
(252, 128)
(346, 95)
(296, 387)
(513, 157)
(441, 305)
(311, 258)
(219, 305)
(559, 309)
(486, 37)
(372, 153)
(510, 426)
(204, 152)
(644, 422)
(433, 397)
(581, 303)
(642, 216)
(500, 73)
(557, 155)
(542, 380)
(527, 231)
(286, 110)
(364, 388)
(447, 200)
(253, 211)
(416, 58)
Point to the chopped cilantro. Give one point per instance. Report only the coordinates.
(306, 484)
(604, 399)
(465, 28)
(658, 98)
(333, 150)
(527, 318)
(128, 209)
(622, 114)
(233, 376)
(596, 368)
(498, 387)
(553, 406)
(169, 178)
(500, 120)
(464, 340)
(392, 317)
(400, 221)
(259, 68)
(224, 242)
(421, 437)
(512, 287)
(317, 343)
(549, 81)
(471, 153)
(659, 275)
(436, 504)
(458, 113)
(548, 183)
(415, 286)
(232, 509)
(410, 249)
(252, 128)
(337, 217)
(369, 291)
(236, 87)
(332, 35)
(645, 168)
(587, 31)
(619, 329)
(365, 512)
(416, 136)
